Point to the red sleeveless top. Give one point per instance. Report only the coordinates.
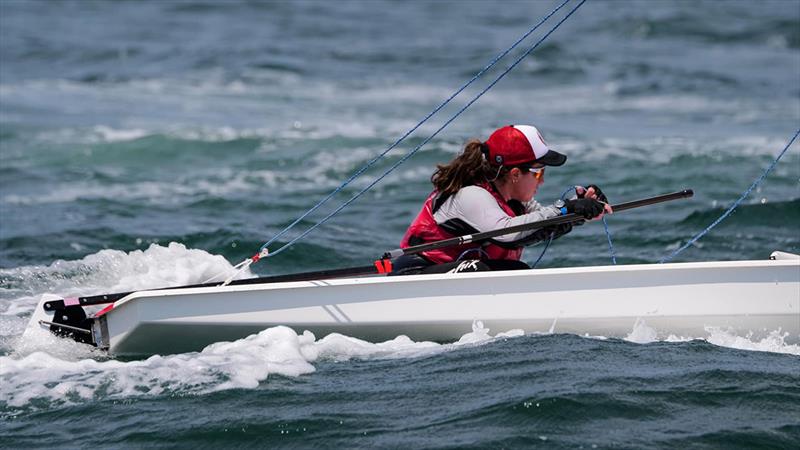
(424, 229)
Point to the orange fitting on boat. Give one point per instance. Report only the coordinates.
(383, 265)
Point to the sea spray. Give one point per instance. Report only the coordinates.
(62, 374)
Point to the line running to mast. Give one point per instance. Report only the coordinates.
(428, 139)
(264, 252)
(734, 205)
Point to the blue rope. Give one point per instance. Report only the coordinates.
(605, 225)
(552, 235)
(610, 244)
(541, 255)
(412, 152)
(408, 133)
(735, 204)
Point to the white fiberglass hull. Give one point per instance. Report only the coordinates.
(684, 299)
(680, 299)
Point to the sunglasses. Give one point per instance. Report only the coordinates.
(538, 172)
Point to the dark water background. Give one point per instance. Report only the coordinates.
(127, 126)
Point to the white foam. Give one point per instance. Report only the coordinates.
(67, 376)
(773, 341)
(71, 192)
(327, 172)
(111, 271)
(662, 149)
(108, 134)
(163, 193)
(641, 333)
(65, 372)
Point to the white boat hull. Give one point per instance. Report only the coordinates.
(683, 299)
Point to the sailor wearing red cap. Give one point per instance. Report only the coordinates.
(488, 186)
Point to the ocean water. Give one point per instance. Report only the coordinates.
(146, 144)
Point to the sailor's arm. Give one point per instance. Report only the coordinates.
(479, 209)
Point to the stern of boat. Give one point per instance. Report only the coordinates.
(67, 319)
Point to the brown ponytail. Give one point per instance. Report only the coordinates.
(468, 168)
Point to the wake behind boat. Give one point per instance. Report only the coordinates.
(681, 299)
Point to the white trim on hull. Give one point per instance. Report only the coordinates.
(681, 299)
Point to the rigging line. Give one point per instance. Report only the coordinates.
(371, 162)
(610, 244)
(605, 225)
(546, 246)
(735, 204)
(412, 152)
(552, 235)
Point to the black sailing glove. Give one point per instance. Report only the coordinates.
(600, 196)
(586, 207)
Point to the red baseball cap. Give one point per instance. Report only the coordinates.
(520, 144)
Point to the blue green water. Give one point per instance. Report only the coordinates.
(145, 144)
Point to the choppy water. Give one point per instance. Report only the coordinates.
(155, 143)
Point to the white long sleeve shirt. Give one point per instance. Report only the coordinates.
(479, 209)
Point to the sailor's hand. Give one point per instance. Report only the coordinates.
(594, 192)
(589, 208)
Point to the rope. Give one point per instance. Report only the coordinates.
(553, 234)
(411, 153)
(541, 255)
(605, 225)
(408, 133)
(735, 204)
(610, 244)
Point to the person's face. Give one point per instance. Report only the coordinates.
(527, 183)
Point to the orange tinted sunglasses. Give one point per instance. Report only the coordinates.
(537, 172)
